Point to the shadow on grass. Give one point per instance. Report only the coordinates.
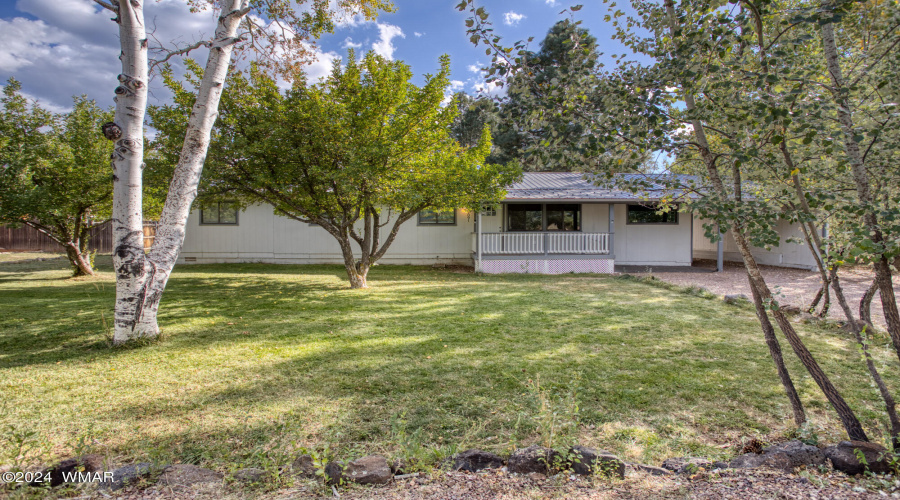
(74, 316)
(255, 353)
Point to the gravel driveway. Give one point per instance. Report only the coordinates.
(796, 286)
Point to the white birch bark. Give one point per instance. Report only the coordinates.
(140, 278)
(132, 268)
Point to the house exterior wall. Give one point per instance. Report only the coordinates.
(262, 236)
(651, 244)
(787, 254)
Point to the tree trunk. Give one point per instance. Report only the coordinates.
(857, 329)
(865, 304)
(882, 268)
(851, 423)
(80, 262)
(127, 165)
(140, 278)
(355, 272)
(775, 352)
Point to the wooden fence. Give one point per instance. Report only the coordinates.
(26, 238)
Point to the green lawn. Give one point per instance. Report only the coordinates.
(257, 361)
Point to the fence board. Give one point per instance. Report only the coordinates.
(26, 238)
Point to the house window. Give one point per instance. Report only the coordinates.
(525, 217)
(563, 217)
(640, 214)
(488, 210)
(543, 217)
(220, 213)
(436, 218)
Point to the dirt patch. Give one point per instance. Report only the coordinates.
(792, 286)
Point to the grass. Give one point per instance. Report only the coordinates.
(6, 257)
(260, 361)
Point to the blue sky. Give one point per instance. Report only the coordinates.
(60, 48)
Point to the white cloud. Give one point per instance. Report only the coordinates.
(55, 65)
(456, 85)
(321, 67)
(73, 47)
(349, 44)
(551, 3)
(418, 35)
(474, 68)
(512, 18)
(386, 33)
(492, 88)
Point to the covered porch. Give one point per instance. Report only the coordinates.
(545, 238)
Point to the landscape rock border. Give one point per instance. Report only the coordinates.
(579, 460)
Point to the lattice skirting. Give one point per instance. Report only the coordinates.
(546, 266)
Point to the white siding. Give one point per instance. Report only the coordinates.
(787, 254)
(262, 236)
(652, 244)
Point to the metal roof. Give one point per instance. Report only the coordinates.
(576, 186)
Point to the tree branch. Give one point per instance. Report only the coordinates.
(156, 62)
(107, 6)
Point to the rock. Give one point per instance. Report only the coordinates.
(685, 465)
(373, 469)
(123, 476)
(183, 475)
(718, 465)
(806, 317)
(476, 460)
(847, 326)
(587, 461)
(304, 467)
(843, 457)
(653, 471)
(790, 310)
(334, 472)
(776, 460)
(250, 475)
(68, 468)
(533, 459)
(735, 298)
(799, 453)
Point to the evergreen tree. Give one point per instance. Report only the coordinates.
(532, 129)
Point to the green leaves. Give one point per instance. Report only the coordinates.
(54, 168)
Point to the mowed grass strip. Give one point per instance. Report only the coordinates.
(258, 361)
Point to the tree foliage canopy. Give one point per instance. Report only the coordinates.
(54, 170)
(363, 150)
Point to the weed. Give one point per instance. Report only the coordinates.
(23, 446)
(557, 411)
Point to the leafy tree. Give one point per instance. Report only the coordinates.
(473, 114)
(54, 171)
(532, 129)
(359, 154)
(721, 98)
(279, 33)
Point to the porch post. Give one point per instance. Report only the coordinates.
(478, 240)
(612, 229)
(720, 253)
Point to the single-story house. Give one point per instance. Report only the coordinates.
(549, 223)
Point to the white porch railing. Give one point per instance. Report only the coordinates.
(535, 243)
(579, 243)
(512, 243)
